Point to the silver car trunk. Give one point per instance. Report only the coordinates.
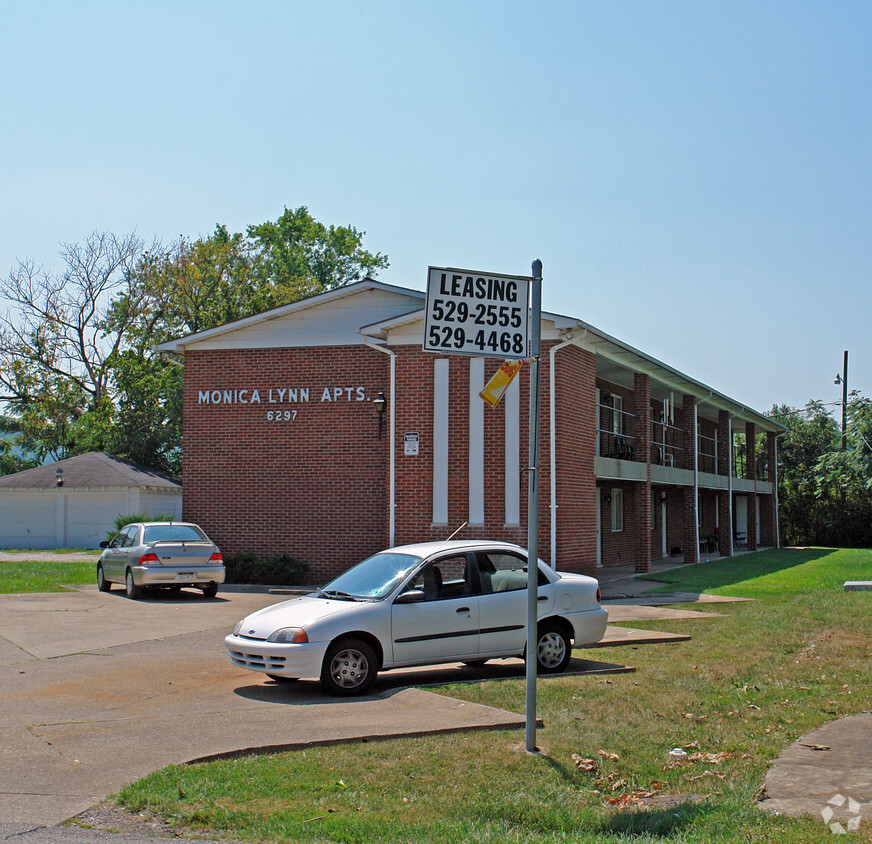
(174, 552)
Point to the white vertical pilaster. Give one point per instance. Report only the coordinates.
(440, 441)
(476, 442)
(512, 411)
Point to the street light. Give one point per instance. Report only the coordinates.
(843, 380)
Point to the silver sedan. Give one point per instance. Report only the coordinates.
(160, 554)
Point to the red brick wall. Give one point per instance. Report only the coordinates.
(414, 475)
(575, 375)
(314, 487)
(619, 547)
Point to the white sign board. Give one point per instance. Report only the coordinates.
(474, 313)
(411, 441)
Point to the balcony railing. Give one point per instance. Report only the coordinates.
(707, 455)
(665, 448)
(617, 446)
(612, 439)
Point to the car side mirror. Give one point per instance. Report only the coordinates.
(413, 596)
(104, 543)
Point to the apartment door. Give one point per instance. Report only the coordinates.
(599, 528)
(664, 547)
(741, 517)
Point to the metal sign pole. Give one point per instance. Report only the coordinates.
(533, 505)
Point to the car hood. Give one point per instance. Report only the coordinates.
(298, 612)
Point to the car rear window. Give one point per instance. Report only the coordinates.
(157, 533)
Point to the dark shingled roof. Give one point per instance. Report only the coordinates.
(94, 469)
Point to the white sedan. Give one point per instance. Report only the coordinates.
(422, 604)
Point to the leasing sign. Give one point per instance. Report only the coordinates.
(474, 313)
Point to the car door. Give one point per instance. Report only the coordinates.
(441, 622)
(115, 556)
(503, 602)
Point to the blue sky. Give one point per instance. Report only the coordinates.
(695, 177)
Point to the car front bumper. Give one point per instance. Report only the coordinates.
(285, 660)
(196, 575)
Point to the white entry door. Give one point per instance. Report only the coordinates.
(663, 544)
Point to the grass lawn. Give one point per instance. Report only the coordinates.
(747, 685)
(42, 576)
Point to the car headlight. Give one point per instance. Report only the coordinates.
(288, 636)
(238, 627)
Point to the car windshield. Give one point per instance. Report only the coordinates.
(162, 533)
(375, 577)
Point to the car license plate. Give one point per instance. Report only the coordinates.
(185, 575)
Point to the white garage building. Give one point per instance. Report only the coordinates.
(38, 511)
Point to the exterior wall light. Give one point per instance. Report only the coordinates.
(380, 403)
(59, 477)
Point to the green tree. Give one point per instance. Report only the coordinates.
(296, 256)
(824, 491)
(78, 366)
(11, 458)
(148, 423)
(58, 328)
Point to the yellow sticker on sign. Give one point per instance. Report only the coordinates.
(500, 381)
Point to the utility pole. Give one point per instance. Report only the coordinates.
(843, 380)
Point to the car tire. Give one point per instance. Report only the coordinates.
(350, 666)
(553, 649)
(132, 590)
(210, 591)
(102, 584)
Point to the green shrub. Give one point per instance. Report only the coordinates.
(271, 570)
(122, 520)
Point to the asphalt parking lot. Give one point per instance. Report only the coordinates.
(99, 691)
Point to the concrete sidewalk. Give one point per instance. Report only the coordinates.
(827, 773)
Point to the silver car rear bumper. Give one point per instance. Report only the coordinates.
(199, 575)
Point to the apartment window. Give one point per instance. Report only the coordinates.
(617, 415)
(617, 510)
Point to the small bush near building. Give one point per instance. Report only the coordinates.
(272, 570)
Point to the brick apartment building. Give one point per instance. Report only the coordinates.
(284, 450)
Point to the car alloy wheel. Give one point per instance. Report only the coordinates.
(350, 667)
(553, 650)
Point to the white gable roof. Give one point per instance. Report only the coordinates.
(333, 318)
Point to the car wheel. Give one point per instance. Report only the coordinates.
(553, 649)
(102, 584)
(280, 679)
(133, 591)
(349, 668)
(210, 591)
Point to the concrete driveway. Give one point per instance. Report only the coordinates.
(98, 691)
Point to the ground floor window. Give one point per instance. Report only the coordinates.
(617, 510)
